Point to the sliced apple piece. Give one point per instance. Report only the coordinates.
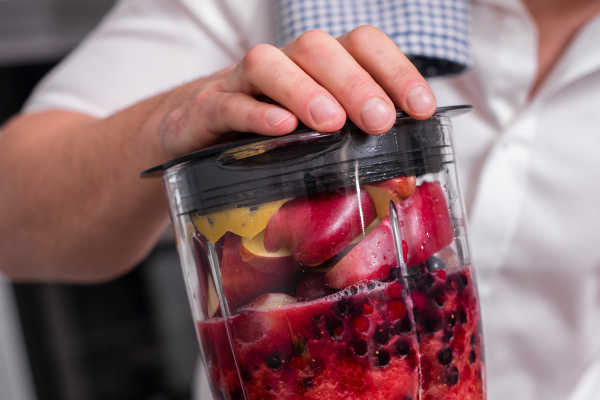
(253, 252)
(242, 283)
(316, 227)
(243, 221)
(425, 227)
(395, 189)
(371, 259)
(269, 301)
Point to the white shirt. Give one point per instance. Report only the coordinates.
(528, 168)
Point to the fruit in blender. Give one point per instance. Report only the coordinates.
(241, 282)
(243, 221)
(253, 252)
(395, 189)
(317, 226)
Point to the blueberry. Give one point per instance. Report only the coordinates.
(453, 376)
(335, 328)
(474, 340)
(439, 297)
(307, 382)
(402, 326)
(371, 285)
(462, 315)
(451, 320)
(382, 336)
(431, 323)
(472, 356)
(361, 347)
(444, 356)
(435, 263)
(246, 377)
(274, 361)
(342, 308)
(383, 357)
(395, 274)
(403, 348)
(447, 336)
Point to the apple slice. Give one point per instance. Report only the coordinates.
(425, 226)
(253, 252)
(316, 227)
(242, 283)
(269, 301)
(425, 222)
(243, 221)
(371, 259)
(395, 189)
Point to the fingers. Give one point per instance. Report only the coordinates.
(328, 63)
(215, 114)
(363, 75)
(384, 61)
(316, 78)
(267, 70)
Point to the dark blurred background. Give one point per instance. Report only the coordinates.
(132, 338)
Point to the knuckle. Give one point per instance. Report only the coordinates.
(363, 35)
(309, 38)
(255, 56)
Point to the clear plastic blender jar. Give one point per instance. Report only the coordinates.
(330, 265)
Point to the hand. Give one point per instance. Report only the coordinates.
(316, 78)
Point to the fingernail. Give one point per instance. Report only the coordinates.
(324, 110)
(275, 116)
(420, 101)
(377, 114)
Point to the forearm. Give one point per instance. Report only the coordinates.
(73, 204)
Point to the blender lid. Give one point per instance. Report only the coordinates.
(255, 169)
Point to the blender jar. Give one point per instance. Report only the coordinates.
(330, 265)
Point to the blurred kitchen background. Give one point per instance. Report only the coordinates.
(132, 338)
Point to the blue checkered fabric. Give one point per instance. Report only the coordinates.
(434, 34)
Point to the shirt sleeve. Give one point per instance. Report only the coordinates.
(142, 48)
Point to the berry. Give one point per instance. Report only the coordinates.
(445, 356)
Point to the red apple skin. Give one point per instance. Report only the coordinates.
(425, 222)
(242, 283)
(371, 259)
(265, 263)
(318, 226)
(425, 226)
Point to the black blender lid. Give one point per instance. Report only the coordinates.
(255, 169)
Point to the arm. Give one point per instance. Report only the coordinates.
(73, 205)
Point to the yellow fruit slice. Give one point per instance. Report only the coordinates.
(243, 221)
(381, 198)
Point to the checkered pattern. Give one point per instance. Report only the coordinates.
(434, 34)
